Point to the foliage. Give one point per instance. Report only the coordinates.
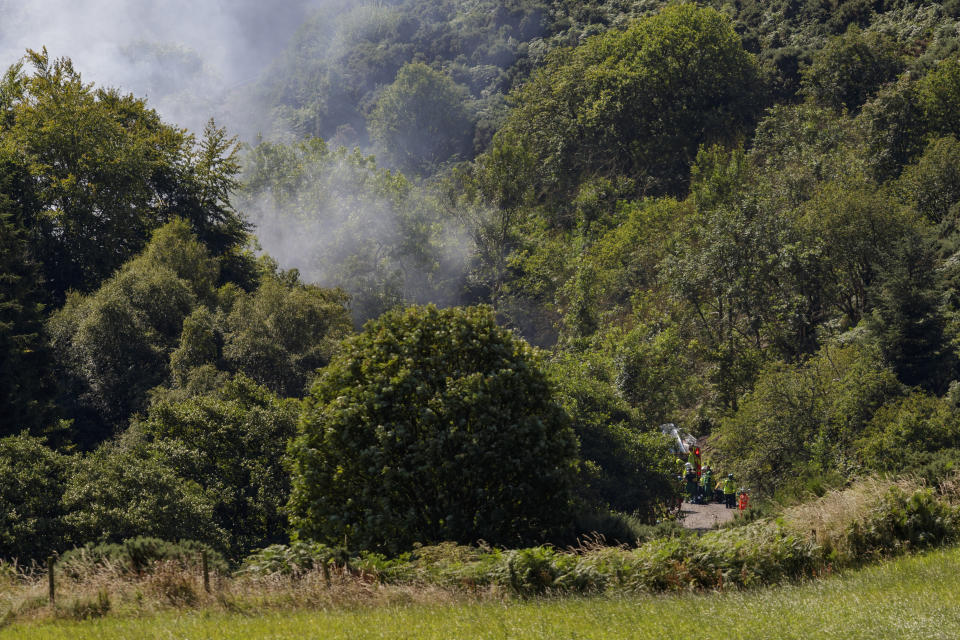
(295, 558)
(137, 556)
(880, 520)
(932, 184)
(232, 443)
(431, 425)
(809, 413)
(330, 74)
(129, 488)
(851, 67)
(894, 128)
(114, 345)
(421, 120)
(904, 429)
(626, 465)
(97, 171)
(26, 386)
(909, 320)
(855, 229)
(903, 520)
(352, 225)
(638, 102)
(31, 525)
(161, 317)
(940, 97)
(282, 332)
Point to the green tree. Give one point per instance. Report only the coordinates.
(806, 416)
(281, 333)
(31, 517)
(626, 465)
(129, 488)
(231, 442)
(114, 345)
(97, 171)
(856, 228)
(638, 102)
(851, 67)
(932, 185)
(432, 425)
(894, 128)
(908, 319)
(26, 385)
(907, 430)
(726, 268)
(940, 97)
(350, 224)
(797, 147)
(421, 120)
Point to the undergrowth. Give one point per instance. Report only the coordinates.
(869, 521)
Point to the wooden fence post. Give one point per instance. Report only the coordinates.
(326, 571)
(206, 570)
(50, 580)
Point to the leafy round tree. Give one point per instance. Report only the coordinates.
(432, 425)
(31, 517)
(638, 101)
(421, 119)
(851, 67)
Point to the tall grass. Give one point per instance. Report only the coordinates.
(910, 597)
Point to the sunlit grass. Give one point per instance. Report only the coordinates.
(913, 597)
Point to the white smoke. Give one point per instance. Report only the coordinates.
(187, 57)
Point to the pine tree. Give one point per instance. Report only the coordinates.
(25, 384)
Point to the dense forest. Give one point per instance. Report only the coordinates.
(478, 253)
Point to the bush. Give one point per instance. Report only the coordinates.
(290, 559)
(805, 416)
(901, 521)
(626, 466)
(232, 443)
(432, 425)
(869, 521)
(136, 556)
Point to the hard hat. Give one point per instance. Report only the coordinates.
(689, 466)
(729, 475)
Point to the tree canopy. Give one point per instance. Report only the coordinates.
(432, 425)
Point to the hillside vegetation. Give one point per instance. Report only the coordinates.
(479, 254)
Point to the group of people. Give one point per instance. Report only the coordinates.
(700, 487)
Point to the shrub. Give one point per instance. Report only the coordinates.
(136, 556)
(232, 443)
(871, 520)
(290, 559)
(903, 520)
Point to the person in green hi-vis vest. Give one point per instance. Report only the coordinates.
(730, 491)
(705, 487)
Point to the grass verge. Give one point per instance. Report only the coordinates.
(909, 597)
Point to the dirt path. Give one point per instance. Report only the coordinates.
(703, 517)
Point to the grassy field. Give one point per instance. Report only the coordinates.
(913, 597)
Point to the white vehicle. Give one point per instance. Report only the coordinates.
(682, 441)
